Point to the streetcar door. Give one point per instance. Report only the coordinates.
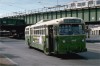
(99, 32)
(50, 38)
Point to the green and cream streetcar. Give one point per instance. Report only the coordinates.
(59, 36)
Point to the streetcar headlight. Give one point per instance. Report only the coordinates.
(83, 40)
(63, 41)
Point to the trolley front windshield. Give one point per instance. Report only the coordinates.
(71, 29)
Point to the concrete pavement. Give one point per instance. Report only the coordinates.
(19, 52)
(5, 61)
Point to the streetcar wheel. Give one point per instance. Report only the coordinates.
(29, 45)
(46, 51)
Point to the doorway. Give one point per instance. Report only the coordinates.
(51, 38)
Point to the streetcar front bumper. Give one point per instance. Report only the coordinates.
(76, 50)
(71, 50)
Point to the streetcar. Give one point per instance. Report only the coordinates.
(58, 36)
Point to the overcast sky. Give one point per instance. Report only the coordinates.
(9, 6)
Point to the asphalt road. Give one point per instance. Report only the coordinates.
(18, 52)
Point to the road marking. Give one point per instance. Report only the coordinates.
(10, 60)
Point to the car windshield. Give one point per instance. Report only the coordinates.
(71, 29)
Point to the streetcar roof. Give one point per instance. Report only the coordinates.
(52, 22)
(28, 26)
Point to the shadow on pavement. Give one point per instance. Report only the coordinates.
(71, 57)
(93, 41)
(80, 56)
(91, 55)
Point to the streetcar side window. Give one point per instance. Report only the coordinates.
(39, 30)
(79, 4)
(27, 31)
(90, 2)
(83, 4)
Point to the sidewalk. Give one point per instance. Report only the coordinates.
(93, 39)
(4, 61)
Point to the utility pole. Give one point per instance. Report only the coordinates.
(57, 2)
